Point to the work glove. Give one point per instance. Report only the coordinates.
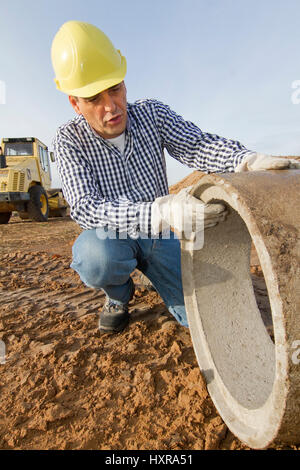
(186, 214)
(260, 161)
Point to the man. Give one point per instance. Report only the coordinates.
(111, 164)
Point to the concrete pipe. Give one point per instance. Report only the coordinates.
(254, 381)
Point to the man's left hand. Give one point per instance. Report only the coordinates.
(260, 161)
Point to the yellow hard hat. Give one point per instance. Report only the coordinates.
(85, 61)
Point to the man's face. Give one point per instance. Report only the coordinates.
(106, 112)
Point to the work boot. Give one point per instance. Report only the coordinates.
(114, 317)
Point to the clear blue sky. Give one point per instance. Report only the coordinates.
(227, 65)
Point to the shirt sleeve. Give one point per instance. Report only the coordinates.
(197, 149)
(88, 207)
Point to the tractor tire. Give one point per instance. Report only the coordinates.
(4, 217)
(38, 206)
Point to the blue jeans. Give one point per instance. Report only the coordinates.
(106, 263)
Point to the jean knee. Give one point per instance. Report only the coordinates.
(90, 259)
(99, 262)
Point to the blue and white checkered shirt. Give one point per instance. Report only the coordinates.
(105, 188)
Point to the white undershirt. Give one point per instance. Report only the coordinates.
(118, 142)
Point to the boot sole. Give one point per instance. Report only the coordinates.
(115, 329)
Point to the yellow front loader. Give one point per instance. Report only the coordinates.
(25, 181)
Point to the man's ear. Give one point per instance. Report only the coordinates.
(74, 102)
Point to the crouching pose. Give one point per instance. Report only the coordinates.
(110, 159)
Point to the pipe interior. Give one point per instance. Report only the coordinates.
(242, 351)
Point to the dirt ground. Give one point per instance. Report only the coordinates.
(66, 386)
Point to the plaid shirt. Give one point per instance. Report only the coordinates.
(105, 188)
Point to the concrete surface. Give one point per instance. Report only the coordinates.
(253, 379)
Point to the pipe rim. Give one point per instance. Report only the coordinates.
(256, 427)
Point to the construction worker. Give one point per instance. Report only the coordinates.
(111, 163)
